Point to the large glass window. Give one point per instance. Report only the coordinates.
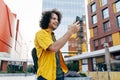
(104, 2)
(106, 26)
(84, 65)
(94, 19)
(116, 66)
(117, 6)
(100, 63)
(105, 13)
(93, 7)
(118, 21)
(94, 64)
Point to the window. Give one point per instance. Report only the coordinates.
(94, 19)
(109, 40)
(102, 41)
(95, 31)
(94, 64)
(93, 7)
(106, 26)
(104, 2)
(118, 21)
(96, 43)
(105, 13)
(115, 67)
(117, 6)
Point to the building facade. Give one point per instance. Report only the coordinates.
(104, 26)
(74, 42)
(10, 40)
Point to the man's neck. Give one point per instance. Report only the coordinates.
(51, 30)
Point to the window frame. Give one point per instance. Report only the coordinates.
(109, 40)
(96, 44)
(94, 19)
(106, 27)
(104, 2)
(118, 21)
(102, 41)
(104, 13)
(117, 6)
(95, 29)
(93, 7)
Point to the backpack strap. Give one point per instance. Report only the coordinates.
(35, 59)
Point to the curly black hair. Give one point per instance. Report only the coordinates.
(46, 16)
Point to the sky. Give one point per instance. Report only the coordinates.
(28, 12)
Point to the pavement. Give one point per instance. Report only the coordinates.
(17, 77)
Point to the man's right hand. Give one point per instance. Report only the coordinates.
(75, 27)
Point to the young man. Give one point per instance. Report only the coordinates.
(51, 65)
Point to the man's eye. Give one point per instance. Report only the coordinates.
(54, 18)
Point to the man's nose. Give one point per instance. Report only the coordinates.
(56, 21)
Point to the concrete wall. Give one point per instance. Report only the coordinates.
(104, 75)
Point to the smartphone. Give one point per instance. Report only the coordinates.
(78, 19)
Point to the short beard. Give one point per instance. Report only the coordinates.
(54, 28)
